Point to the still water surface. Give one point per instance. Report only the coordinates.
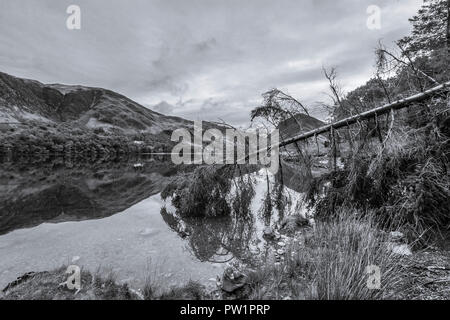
(108, 217)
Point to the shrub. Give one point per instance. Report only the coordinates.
(201, 193)
(405, 182)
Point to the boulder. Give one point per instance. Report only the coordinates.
(269, 233)
(291, 223)
(232, 280)
(402, 249)
(396, 236)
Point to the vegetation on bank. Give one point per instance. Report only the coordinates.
(37, 138)
(331, 263)
(404, 183)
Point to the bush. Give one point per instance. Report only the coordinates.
(405, 182)
(201, 193)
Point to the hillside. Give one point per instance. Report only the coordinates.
(290, 128)
(23, 100)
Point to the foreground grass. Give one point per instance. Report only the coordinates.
(46, 286)
(331, 264)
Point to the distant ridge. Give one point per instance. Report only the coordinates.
(23, 100)
(290, 127)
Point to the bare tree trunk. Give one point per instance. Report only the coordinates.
(399, 104)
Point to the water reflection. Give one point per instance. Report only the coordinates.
(212, 210)
(117, 217)
(60, 190)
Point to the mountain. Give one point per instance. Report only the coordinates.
(298, 124)
(290, 128)
(23, 100)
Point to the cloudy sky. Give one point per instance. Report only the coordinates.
(204, 59)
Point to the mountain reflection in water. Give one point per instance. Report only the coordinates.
(110, 214)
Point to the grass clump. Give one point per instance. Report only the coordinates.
(190, 291)
(342, 251)
(331, 265)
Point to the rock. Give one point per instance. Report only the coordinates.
(269, 233)
(218, 282)
(291, 223)
(402, 249)
(137, 293)
(232, 280)
(396, 236)
(184, 234)
(20, 279)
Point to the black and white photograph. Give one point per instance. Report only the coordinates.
(224, 151)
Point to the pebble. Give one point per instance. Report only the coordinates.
(403, 250)
(396, 235)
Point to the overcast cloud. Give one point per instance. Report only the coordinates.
(207, 59)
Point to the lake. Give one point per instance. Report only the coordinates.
(110, 217)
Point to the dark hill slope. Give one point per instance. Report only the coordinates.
(23, 99)
(290, 127)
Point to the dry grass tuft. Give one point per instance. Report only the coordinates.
(331, 265)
